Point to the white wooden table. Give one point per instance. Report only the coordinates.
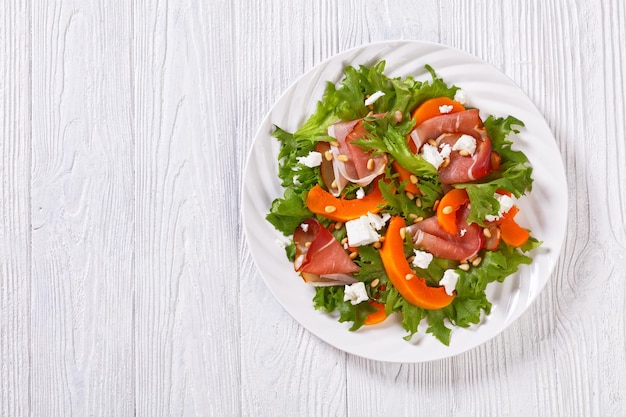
(127, 288)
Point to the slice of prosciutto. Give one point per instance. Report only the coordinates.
(320, 258)
(446, 129)
(462, 245)
(351, 162)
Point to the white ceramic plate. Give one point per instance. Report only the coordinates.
(543, 211)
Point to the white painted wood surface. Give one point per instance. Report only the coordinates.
(126, 285)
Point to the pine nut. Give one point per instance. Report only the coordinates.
(370, 164)
(432, 142)
(418, 202)
(353, 255)
(410, 195)
(419, 219)
(338, 225)
(476, 261)
(464, 267)
(413, 179)
(447, 210)
(334, 143)
(330, 209)
(487, 233)
(403, 233)
(409, 277)
(377, 245)
(342, 158)
(463, 153)
(344, 240)
(446, 162)
(328, 155)
(307, 244)
(397, 116)
(375, 283)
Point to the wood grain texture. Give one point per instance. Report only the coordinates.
(187, 316)
(15, 255)
(127, 287)
(82, 211)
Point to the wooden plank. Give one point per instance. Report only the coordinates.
(187, 314)
(15, 209)
(285, 370)
(82, 210)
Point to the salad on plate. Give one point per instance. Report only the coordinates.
(400, 199)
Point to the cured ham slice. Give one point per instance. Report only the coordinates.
(463, 245)
(320, 257)
(351, 163)
(446, 129)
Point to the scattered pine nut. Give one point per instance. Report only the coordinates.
(410, 195)
(436, 205)
(328, 155)
(486, 232)
(418, 202)
(419, 219)
(344, 240)
(377, 245)
(333, 184)
(409, 277)
(432, 142)
(446, 162)
(463, 153)
(353, 255)
(447, 210)
(338, 225)
(330, 209)
(413, 179)
(307, 244)
(413, 216)
(381, 239)
(370, 164)
(375, 283)
(464, 267)
(334, 143)
(403, 233)
(342, 158)
(476, 261)
(397, 116)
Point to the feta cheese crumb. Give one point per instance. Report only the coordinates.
(506, 203)
(431, 155)
(360, 232)
(445, 150)
(449, 280)
(463, 231)
(446, 108)
(312, 160)
(304, 227)
(460, 96)
(422, 259)
(360, 193)
(465, 143)
(355, 293)
(376, 221)
(372, 99)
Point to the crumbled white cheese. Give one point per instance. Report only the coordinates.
(445, 150)
(377, 221)
(312, 160)
(422, 259)
(431, 155)
(304, 227)
(355, 293)
(460, 96)
(446, 108)
(361, 232)
(506, 203)
(372, 99)
(360, 193)
(463, 231)
(465, 143)
(449, 280)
